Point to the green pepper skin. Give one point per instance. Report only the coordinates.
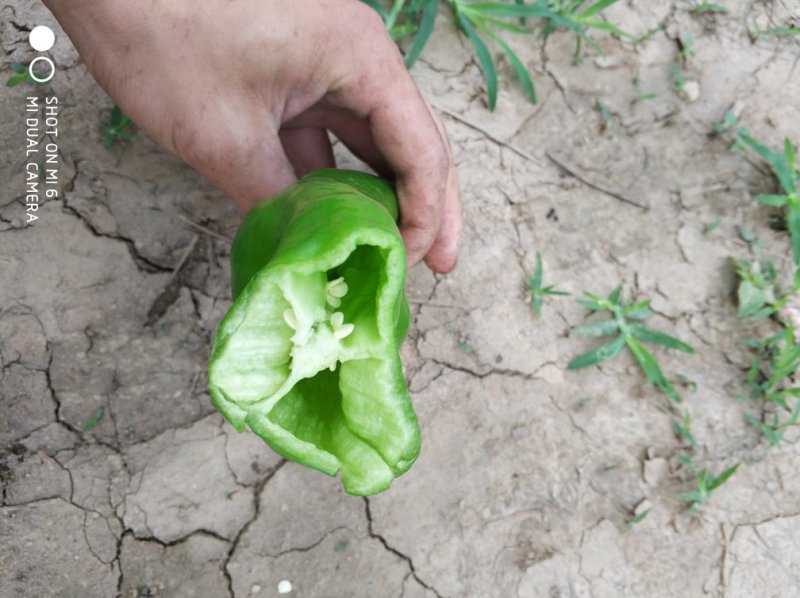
(328, 394)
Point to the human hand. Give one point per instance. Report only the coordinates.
(245, 90)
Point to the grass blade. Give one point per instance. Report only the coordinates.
(613, 29)
(499, 9)
(426, 24)
(484, 58)
(519, 69)
(550, 290)
(506, 25)
(15, 79)
(603, 328)
(722, 478)
(655, 337)
(93, 419)
(651, 368)
(596, 8)
(793, 224)
(639, 311)
(601, 353)
(539, 272)
(588, 304)
(776, 201)
(615, 295)
(779, 162)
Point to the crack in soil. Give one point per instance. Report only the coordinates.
(141, 262)
(259, 488)
(375, 535)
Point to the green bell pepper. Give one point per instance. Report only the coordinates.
(308, 354)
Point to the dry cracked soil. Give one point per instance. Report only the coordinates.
(119, 479)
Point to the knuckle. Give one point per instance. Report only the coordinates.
(423, 219)
(366, 19)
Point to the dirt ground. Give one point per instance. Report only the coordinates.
(528, 472)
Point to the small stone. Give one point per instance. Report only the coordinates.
(655, 470)
(607, 61)
(691, 91)
(255, 589)
(284, 586)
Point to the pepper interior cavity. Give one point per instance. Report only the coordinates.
(307, 356)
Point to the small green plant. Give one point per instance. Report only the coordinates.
(581, 403)
(705, 482)
(686, 45)
(537, 291)
(573, 16)
(117, 128)
(22, 75)
(413, 20)
(712, 226)
(624, 324)
(93, 419)
(637, 518)
(784, 167)
(342, 546)
(708, 7)
(771, 379)
(678, 78)
(683, 429)
(757, 34)
(758, 293)
(749, 237)
(477, 19)
(729, 122)
(771, 425)
(465, 347)
(483, 22)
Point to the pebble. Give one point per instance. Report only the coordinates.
(691, 90)
(284, 586)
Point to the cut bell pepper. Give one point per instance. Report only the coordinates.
(308, 354)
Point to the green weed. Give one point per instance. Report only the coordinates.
(757, 34)
(678, 78)
(117, 128)
(712, 226)
(708, 7)
(772, 385)
(749, 237)
(683, 429)
(757, 293)
(637, 518)
(729, 122)
(93, 419)
(413, 20)
(342, 546)
(22, 75)
(465, 347)
(483, 22)
(537, 291)
(784, 167)
(581, 403)
(624, 325)
(705, 483)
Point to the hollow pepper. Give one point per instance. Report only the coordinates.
(308, 354)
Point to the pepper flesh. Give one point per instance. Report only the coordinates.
(308, 354)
